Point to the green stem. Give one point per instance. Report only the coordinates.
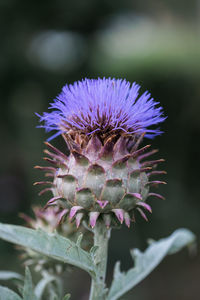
(55, 288)
(101, 238)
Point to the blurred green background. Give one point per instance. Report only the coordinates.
(45, 44)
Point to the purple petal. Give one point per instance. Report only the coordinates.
(92, 105)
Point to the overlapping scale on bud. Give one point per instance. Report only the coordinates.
(49, 220)
(106, 174)
(108, 181)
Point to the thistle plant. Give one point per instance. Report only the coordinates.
(102, 179)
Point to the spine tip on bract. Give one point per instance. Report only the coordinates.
(93, 216)
(119, 214)
(73, 211)
(145, 205)
(107, 220)
(62, 215)
(137, 195)
(156, 195)
(127, 219)
(79, 217)
(102, 203)
(142, 214)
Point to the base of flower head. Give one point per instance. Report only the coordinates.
(110, 181)
(113, 219)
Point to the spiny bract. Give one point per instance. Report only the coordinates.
(104, 176)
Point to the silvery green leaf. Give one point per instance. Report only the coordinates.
(93, 251)
(7, 294)
(49, 244)
(145, 262)
(79, 240)
(8, 275)
(41, 286)
(66, 297)
(28, 292)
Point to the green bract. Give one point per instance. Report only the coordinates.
(101, 179)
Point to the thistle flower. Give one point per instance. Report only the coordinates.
(103, 123)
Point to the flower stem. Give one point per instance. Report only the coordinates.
(101, 238)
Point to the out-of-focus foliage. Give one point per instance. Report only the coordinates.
(45, 44)
(62, 249)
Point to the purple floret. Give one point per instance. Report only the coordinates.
(103, 105)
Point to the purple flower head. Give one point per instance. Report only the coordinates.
(103, 106)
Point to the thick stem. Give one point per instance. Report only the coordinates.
(101, 238)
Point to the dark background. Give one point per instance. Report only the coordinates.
(45, 44)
